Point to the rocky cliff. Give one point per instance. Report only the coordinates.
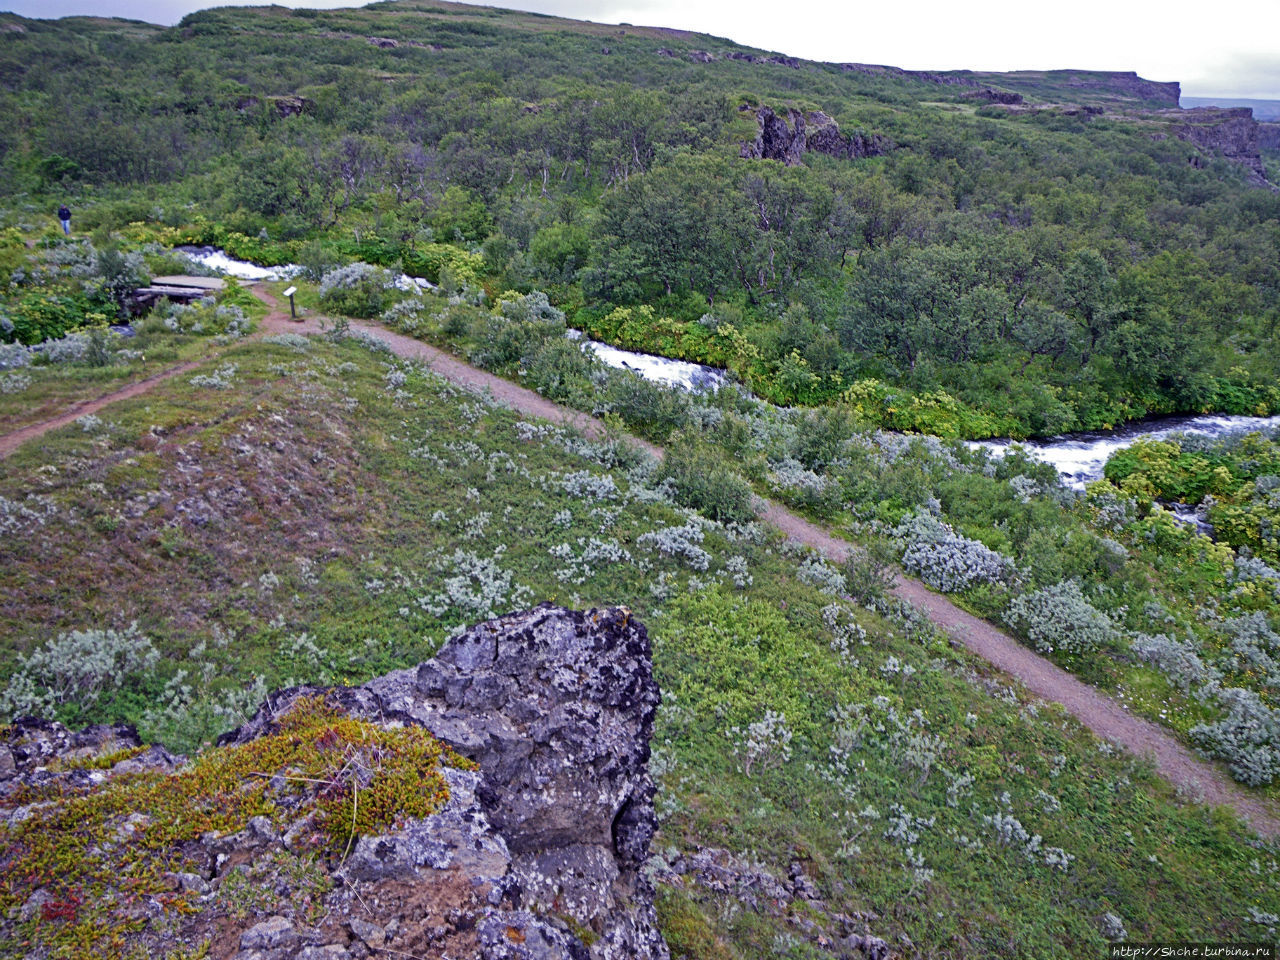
(493, 802)
(1230, 132)
(1269, 136)
(790, 138)
(1072, 86)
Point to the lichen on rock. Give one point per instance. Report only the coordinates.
(493, 802)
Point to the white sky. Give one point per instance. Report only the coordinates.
(1228, 48)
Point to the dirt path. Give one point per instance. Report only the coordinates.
(1101, 714)
(82, 408)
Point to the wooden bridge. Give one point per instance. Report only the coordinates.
(178, 289)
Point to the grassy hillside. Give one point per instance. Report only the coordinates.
(1046, 268)
(320, 511)
(291, 509)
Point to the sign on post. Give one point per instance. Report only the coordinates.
(293, 311)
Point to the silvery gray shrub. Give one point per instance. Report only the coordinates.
(1247, 738)
(76, 668)
(1058, 617)
(945, 560)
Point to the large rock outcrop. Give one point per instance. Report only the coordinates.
(788, 139)
(1230, 132)
(535, 855)
(1269, 135)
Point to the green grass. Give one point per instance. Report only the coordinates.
(304, 525)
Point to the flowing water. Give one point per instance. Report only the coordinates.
(1080, 457)
(218, 260)
(675, 373)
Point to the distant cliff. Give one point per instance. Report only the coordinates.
(1229, 132)
(1061, 86)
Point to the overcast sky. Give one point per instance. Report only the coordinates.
(1227, 48)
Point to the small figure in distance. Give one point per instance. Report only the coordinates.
(64, 215)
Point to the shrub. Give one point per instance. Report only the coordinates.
(1247, 738)
(652, 409)
(705, 483)
(357, 290)
(806, 489)
(682, 542)
(71, 673)
(318, 259)
(819, 574)
(945, 560)
(560, 370)
(516, 331)
(118, 274)
(13, 355)
(1058, 617)
(1176, 659)
(69, 349)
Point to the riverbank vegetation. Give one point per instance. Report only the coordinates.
(315, 510)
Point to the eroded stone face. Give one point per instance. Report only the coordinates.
(557, 708)
(788, 138)
(536, 854)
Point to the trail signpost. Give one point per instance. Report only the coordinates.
(293, 311)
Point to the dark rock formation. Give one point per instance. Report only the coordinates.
(779, 140)
(537, 854)
(39, 753)
(284, 106)
(1230, 132)
(1268, 136)
(994, 96)
(791, 62)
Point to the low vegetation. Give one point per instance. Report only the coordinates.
(800, 721)
(94, 855)
(295, 509)
(985, 272)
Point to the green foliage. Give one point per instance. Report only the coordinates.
(357, 290)
(1058, 617)
(707, 483)
(1018, 274)
(79, 674)
(1236, 477)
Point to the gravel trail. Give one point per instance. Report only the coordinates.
(1196, 778)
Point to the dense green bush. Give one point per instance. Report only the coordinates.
(707, 483)
(357, 290)
(561, 371)
(651, 409)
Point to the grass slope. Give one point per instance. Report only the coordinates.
(319, 511)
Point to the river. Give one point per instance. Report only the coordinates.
(1080, 457)
(216, 259)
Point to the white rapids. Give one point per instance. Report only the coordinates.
(218, 260)
(1080, 457)
(675, 373)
